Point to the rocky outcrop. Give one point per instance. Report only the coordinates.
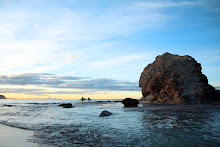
(129, 102)
(2, 97)
(176, 79)
(105, 113)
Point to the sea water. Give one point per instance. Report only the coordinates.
(145, 125)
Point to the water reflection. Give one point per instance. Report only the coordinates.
(182, 125)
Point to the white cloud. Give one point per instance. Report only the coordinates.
(72, 56)
(116, 61)
(31, 36)
(40, 39)
(124, 62)
(166, 4)
(25, 54)
(74, 24)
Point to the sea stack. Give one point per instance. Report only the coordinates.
(176, 79)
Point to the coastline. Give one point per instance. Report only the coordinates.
(12, 137)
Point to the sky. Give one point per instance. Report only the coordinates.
(98, 48)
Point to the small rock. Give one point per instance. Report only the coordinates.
(66, 105)
(7, 105)
(105, 113)
(129, 102)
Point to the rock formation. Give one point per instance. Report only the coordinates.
(176, 79)
(2, 97)
(129, 102)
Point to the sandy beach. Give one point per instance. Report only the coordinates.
(15, 137)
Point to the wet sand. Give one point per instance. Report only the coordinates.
(14, 137)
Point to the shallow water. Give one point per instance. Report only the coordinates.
(146, 125)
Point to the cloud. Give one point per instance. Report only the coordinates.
(20, 90)
(102, 84)
(68, 82)
(35, 79)
(117, 61)
(72, 56)
(63, 23)
(42, 92)
(33, 38)
(43, 40)
(167, 4)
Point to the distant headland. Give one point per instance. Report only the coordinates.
(2, 97)
(176, 79)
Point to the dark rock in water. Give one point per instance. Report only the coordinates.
(66, 105)
(105, 113)
(116, 101)
(99, 101)
(176, 79)
(7, 105)
(129, 102)
(2, 97)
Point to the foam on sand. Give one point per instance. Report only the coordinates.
(12, 137)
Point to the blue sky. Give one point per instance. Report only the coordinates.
(101, 46)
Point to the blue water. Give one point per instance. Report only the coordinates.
(146, 125)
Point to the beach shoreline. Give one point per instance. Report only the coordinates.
(12, 137)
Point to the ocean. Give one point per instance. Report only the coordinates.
(145, 125)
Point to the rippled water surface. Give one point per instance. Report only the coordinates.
(146, 125)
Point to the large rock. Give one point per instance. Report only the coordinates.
(2, 97)
(176, 79)
(129, 102)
